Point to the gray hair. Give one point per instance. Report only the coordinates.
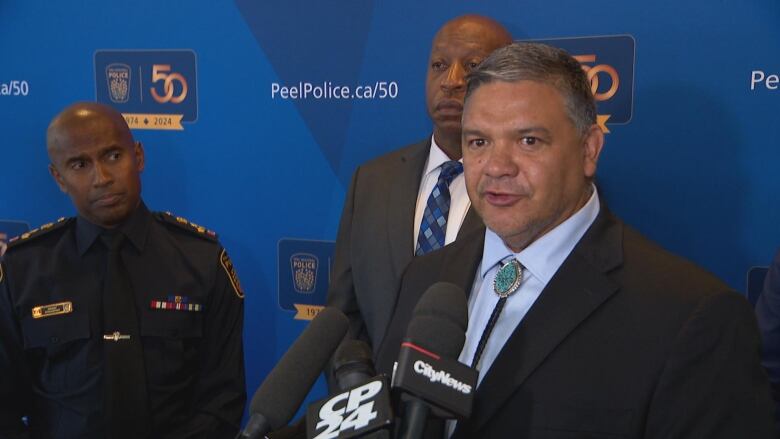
(540, 63)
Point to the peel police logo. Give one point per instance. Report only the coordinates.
(302, 286)
(609, 64)
(153, 89)
(304, 270)
(118, 82)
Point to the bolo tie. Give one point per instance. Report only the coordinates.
(507, 282)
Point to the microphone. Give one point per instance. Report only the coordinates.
(362, 406)
(278, 398)
(428, 375)
(352, 364)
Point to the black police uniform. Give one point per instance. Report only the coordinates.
(189, 306)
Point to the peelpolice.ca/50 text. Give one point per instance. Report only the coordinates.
(14, 88)
(328, 90)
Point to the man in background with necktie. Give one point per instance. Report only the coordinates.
(412, 200)
(120, 322)
(578, 325)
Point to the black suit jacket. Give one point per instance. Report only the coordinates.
(375, 239)
(768, 314)
(626, 341)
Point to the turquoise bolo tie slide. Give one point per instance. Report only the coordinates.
(506, 282)
(508, 279)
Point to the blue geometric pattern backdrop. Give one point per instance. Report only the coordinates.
(264, 109)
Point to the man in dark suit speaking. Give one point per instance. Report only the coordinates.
(579, 326)
(413, 200)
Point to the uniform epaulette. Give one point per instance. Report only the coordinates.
(38, 231)
(183, 223)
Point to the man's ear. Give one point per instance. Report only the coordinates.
(592, 144)
(140, 159)
(57, 178)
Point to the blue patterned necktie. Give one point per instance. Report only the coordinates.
(433, 226)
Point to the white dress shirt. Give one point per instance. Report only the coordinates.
(459, 199)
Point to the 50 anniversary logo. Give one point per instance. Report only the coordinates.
(609, 64)
(154, 89)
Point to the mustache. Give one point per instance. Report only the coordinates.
(501, 186)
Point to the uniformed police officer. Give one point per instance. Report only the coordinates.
(120, 322)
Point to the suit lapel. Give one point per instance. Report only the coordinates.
(456, 263)
(402, 200)
(577, 289)
(460, 265)
(471, 222)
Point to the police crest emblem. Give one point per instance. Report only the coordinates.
(304, 268)
(118, 82)
(304, 271)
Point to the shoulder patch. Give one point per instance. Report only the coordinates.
(227, 264)
(185, 224)
(38, 231)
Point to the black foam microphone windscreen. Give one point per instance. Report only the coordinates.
(440, 319)
(285, 387)
(353, 364)
(428, 374)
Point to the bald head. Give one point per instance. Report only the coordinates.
(458, 47)
(84, 118)
(96, 162)
(493, 33)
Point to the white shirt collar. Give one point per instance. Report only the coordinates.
(436, 157)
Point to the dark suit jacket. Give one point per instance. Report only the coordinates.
(375, 239)
(768, 313)
(626, 341)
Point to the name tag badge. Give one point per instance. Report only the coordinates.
(55, 309)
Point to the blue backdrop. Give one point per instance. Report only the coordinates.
(693, 167)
